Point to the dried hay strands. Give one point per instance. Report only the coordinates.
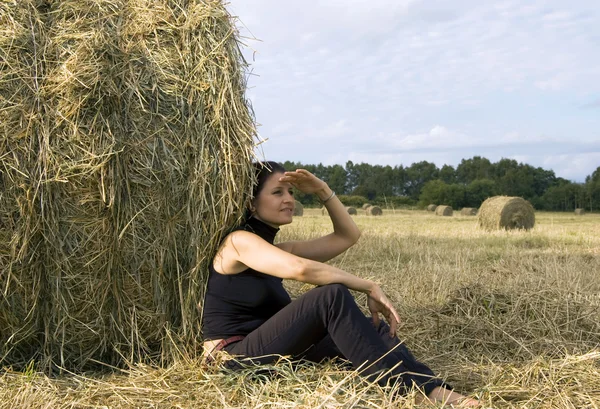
(506, 212)
(444, 211)
(365, 205)
(324, 211)
(373, 211)
(126, 145)
(468, 211)
(351, 210)
(298, 208)
(579, 212)
(431, 208)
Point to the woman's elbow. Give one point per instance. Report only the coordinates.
(356, 236)
(349, 238)
(300, 269)
(352, 238)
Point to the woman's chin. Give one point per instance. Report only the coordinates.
(286, 220)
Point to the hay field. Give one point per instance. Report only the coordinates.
(510, 316)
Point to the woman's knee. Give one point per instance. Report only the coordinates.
(334, 290)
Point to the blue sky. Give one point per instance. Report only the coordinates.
(401, 81)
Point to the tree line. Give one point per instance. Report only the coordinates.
(467, 185)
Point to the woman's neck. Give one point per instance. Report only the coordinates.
(264, 230)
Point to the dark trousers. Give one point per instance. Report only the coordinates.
(324, 323)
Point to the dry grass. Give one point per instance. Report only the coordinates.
(510, 316)
(126, 145)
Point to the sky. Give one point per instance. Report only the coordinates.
(393, 82)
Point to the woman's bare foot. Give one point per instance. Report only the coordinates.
(452, 399)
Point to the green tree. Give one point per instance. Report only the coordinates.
(336, 179)
(440, 193)
(516, 182)
(417, 175)
(472, 169)
(351, 176)
(479, 190)
(500, 168)
(566, 196)
(365, 191)
(592, 187)
(448, 174)
(542, 180)
(433, 192)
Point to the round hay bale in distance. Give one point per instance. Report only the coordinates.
(298, 208)
(351, 210)
(431, 208)
(468, 211)
(364, 206)
(579, 212)
(506, 212)
(373, 211)
(444, 211)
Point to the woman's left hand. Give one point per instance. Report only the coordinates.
(378, 303)
(304, 181)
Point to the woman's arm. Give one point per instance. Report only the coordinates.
(345, 231)
(242, 250)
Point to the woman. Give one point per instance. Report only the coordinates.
(248, 313)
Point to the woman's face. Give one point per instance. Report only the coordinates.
(274, 204)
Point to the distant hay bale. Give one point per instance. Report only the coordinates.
(506, 212)
(468, 211)
(579, 212)
(298, 208)
(365, 205)
(444, 211)
(351, 210)
(126, 145)
(431, 208)
(373, 211)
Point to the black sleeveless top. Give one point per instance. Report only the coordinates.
(237, 304)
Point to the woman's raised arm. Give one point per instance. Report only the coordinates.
(345, 231)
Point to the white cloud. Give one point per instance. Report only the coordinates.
(425, 78)
(573, 167)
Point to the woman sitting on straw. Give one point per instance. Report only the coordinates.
(248, 313)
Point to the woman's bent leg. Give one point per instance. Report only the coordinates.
(329, 310)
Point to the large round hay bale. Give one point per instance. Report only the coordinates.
(298, 208)
(506, 212)
(126, 148)
(468, 211)
(579, 212)
(373, 211)
(365, 205)
(431, 208)
(351, 210)
(444, 211)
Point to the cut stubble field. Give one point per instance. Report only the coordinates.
(512, 317)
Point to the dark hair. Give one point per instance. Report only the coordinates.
(262, 172)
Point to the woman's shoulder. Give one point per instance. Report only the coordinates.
(240, 237)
